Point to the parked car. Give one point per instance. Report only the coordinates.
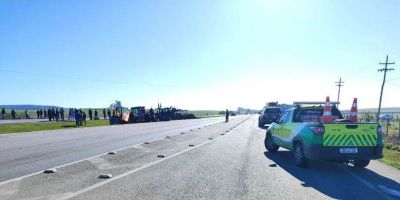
(302, 130)
(268, 115)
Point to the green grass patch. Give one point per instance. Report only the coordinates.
(391, 157)
(42, 126)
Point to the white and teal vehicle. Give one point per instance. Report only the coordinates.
(300, 130)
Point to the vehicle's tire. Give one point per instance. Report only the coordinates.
(115, 120)
(360, 163)
(299, 158)
(269, 143)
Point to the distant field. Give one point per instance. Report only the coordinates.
(394, 110)
(42, 126)
(206, 113)
(391, 109)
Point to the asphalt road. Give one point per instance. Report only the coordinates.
(25, 153)
(222, 161)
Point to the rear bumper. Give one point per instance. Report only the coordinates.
(319, 152)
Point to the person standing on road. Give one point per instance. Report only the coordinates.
(26, 114)
(73, 114)
(57, 115)
(90, 114)
(49, 114)
(104, 113)
(62, 114)
(109, 113)
(3, 114)
(38, 114)
(151, 112)
(69, 114)
(84, 118)
(80, 117)
(13, 114)
(226, 115)
(76, 118)
(53, 113)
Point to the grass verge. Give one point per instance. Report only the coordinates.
(42, 126)
(207, 113)
(391, 157)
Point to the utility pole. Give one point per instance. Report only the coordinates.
(339, 84)
(383, 83)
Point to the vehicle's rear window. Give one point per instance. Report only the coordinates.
(309, 115)
(272, 111)
(313, 114)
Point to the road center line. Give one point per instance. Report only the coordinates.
(77, 161)
(84, 159)
(74, 194)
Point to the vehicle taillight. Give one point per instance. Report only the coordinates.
(317, 130)
(380, 130)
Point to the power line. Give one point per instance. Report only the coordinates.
(339, 84)
(384, 70)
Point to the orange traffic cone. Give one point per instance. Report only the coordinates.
(353, 111)
(327, 116)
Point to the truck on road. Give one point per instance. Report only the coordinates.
(315, 132)
(270, 113)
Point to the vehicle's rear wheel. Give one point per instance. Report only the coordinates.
(115, 120)
(360, 163)
(299, 158)
(269, 144)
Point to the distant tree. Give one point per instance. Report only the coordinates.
(117, 104)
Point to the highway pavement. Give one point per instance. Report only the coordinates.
(25, 153)
(209, 160)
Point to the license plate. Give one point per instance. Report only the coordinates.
(348, 150)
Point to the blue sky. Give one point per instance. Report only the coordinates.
(196, 54)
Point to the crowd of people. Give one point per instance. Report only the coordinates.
(13, 114)
(53, 114)
(58, 114)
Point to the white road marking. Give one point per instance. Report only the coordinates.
(71, 163)
(84, 159)
(16, 181)
(92, 187)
